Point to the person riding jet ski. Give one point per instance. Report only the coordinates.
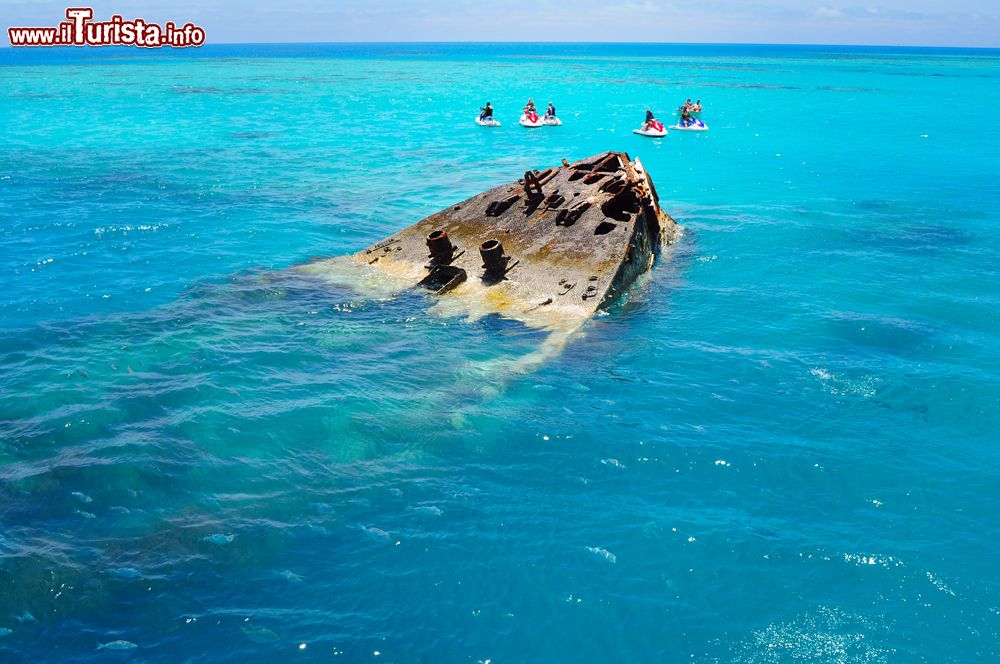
(550, 112)
(530, 113)
(487, 111)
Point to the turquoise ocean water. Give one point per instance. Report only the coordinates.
(779, 446)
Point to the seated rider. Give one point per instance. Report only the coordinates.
(550, 112)
(649, 120)
(685, 116)
(697, 107)
(487, 112)
(530, 106)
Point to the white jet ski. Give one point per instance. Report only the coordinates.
(487, 122)
(656, 130)
(694, 124)
(532, 121)
(551, 121)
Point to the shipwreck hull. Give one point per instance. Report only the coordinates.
(556, 245)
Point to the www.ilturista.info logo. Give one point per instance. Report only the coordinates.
(79, 30)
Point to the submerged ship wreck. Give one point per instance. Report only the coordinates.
(556, 245)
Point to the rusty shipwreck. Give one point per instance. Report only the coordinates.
(556, 245)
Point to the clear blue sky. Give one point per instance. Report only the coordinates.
(909, 22)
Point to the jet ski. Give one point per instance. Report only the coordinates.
(531, 120)
(694, 124)
(551, 121)
(487, 122)
(656, 130)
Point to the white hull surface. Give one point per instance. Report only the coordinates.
(488, 122)
(551, 121)
(695, 125)
(651, 133)
(525, 122)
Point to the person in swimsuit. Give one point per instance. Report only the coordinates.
(649, 120)
(487, 112)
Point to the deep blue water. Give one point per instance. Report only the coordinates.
(781, 445)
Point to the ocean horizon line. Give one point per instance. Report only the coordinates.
(545, 43)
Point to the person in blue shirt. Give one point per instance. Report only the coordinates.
(550, 112)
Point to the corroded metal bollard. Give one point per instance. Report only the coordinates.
(441, 249)
(494, 260)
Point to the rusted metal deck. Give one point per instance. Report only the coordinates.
(558, 243)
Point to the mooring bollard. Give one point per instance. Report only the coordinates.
(493, 259)
(441, 248)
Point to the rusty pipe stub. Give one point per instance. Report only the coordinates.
(494, 260)
(441, 249)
